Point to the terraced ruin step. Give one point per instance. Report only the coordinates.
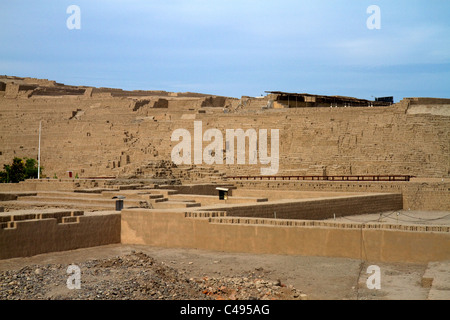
(75, 201)
(95, 190)
(189, 199)
(156, 196)
(164, 192)
(37, 204)
(48, 199)
(158, 200)
(143, 195)
(68, 194)
(175, 204)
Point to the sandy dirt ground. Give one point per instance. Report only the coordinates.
(317, 278)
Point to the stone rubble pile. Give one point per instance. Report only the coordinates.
(134, 276)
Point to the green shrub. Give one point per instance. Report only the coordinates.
(19, 170)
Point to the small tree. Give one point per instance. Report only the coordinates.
(16, 171)
(31, 169)
(19, 170)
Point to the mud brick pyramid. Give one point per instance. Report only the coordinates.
(100, 143)
(111, 132)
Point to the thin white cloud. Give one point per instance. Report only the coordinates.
(418, 45)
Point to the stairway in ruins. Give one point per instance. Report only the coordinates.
(182, 173)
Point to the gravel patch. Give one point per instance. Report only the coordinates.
(134, 276)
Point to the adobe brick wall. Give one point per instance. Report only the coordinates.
(416, 195)
(22, 238)
(41, 185)
(109, 138)
(52, 185)
(274, 194)
(174, 230)
(317, 209)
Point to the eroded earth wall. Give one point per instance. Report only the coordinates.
(97, 134)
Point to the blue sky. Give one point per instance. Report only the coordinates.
(233, 48)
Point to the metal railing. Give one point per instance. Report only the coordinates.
(328, 178)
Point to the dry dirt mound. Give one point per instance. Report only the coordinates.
(134, 276)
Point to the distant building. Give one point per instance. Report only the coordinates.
(302, 100)
(385, 99)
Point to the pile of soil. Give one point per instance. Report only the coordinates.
(134, 276)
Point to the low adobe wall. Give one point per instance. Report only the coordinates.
(41, 185)
(247, 235)
(417, 195)
(52, 185)
(28, 235)
(319, 208)
(214, 200)
(273, 194)
(206, 189)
